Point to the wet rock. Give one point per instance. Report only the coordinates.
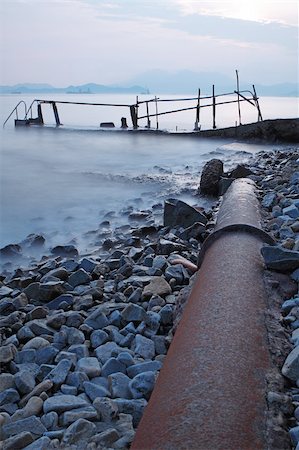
(82, 429)
(79, 277)
(64, 298)
(210, 177)
(180, 213)
(280, 259)
(65, 250)
(11, 251)
(157, 286)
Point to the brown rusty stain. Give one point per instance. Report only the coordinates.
(210, 394)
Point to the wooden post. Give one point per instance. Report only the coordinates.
(157, 123)
(40, 114)
(134, 116)
(238, 90)
(214, 108)
(55, 110)
(148, 119)
(196, 127)
(260, 118)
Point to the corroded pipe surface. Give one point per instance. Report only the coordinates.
(210, 394)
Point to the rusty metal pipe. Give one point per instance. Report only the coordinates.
(210, 394)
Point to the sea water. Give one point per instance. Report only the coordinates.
(63, 182)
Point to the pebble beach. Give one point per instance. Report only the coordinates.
(84, 336)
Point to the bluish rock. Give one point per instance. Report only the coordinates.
(135, 297)
(31, 424)
(79, 277)
(144, 347)
(147, 366)
(166, 314)
(127, 340)
(126, 358)
(90, 366)
(112, 366)
(87, 264)
(59, 373)
(82, 429)
(294, 435)
(295, 275)
(7, 381)
(44, 370)
(70, 265)
(93, 390)
(66, 355)
(61, 403)
(115, 318)
(50, 420)
(280, 259)
(152, 321)
(18, 441)
(68, 390)
(74, 319)
(178, 272)
(25, 381)
(68, 417)
(77, 379)
(97, 320)
(64, 250)
(134, 407)
(98, 337)
(119, 385)
(295, 178)
(133, 313)
(64, 298)
(142, 385)
(290, 368)
(291, 211)
(9, 396)
(75, 336)
(46, 355)
(81, 350)
(105, 351)
(40, 444)
(160, 344)
(269, 200)
(25, 356)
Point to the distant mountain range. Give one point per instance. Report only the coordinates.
(90, 88)
(161, 82)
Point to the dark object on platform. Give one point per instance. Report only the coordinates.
(107, 125)
(179, 213)
(124, 122)
(210, 177)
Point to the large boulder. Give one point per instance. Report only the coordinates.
(210, 177)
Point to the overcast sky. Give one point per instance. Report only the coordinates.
(65, 42)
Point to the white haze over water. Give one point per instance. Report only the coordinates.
(63, 182)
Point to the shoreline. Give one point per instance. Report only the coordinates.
(71, 323)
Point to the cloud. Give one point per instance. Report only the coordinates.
(264, 11)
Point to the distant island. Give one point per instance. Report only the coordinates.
(162, 82)
(90, 88)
